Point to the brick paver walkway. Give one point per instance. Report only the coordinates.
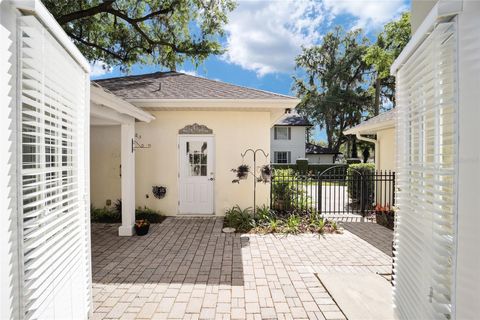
(186, 268)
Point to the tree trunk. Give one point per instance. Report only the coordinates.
(376, 106)
(329, 136)
(354, 148)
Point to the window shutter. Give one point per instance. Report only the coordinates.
(289, 155)
(289, 133)
(275, 133)
(53, 121)
(426, 154)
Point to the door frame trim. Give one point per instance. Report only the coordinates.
(179, 136)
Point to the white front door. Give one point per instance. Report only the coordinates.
(196, 176)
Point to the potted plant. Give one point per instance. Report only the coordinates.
(266, 172)
(141, 227)
(385, 216)
(242, 171)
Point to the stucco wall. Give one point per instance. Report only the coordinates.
(320, 158)
(233, 131)
(385, 155)
(296, 145)
(420, 9)
(104, 165)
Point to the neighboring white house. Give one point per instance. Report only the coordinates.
(319, 155)
(287, 138)
(289, 142)
(381, 132)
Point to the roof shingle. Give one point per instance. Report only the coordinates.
(175, 85)
(293, 119)
(311, 148)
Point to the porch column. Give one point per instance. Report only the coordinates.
(128, 178)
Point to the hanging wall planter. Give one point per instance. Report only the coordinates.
(266, 172)
(159, 192)
(242, 171)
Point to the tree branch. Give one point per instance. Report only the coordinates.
(96, 46)
(85, 13)
(107, 7)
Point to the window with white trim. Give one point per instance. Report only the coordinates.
(282, 133)
(282, 156)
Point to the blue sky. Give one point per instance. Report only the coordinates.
(263, 38)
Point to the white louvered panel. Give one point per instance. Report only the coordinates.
(53, 112)
(426, 158)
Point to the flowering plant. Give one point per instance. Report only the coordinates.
(142, 223)
(385, 216)
(383, 209)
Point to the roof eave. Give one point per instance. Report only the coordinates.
(370, 128)
(103, 97)
(292, 125)
(278, 103)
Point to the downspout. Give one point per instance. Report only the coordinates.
(377, 146)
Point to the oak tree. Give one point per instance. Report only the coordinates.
(124, 32)
(332, 86)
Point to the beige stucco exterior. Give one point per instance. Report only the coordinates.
(233, 131)
(385, 153)
(105, 161)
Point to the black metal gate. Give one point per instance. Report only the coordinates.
(337, 192)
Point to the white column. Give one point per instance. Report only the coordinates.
(128, 179)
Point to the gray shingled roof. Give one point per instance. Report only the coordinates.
(311, 148)
(293, 119)
(176, 85)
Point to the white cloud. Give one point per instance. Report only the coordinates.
(190, 72)
(369, 14)
(99, 68)
(265, 36)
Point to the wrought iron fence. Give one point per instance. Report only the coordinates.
(335, 192)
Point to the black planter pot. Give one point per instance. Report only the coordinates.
(143, 230)
(385, 219)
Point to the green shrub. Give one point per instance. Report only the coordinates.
(104, 215)
(274, 224)
(302, 165)
(148, 214)
(360, 183)
(263, 215)
(353, 161)
(108, 215)
(312, 168)
(241, 220)
(292, 224)
(288, 194)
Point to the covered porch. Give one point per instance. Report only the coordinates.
(115, 175)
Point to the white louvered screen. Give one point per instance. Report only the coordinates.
(53, 122)
(426, 155)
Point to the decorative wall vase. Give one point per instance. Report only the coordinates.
(159, 192)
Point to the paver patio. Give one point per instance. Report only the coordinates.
(186, 268)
